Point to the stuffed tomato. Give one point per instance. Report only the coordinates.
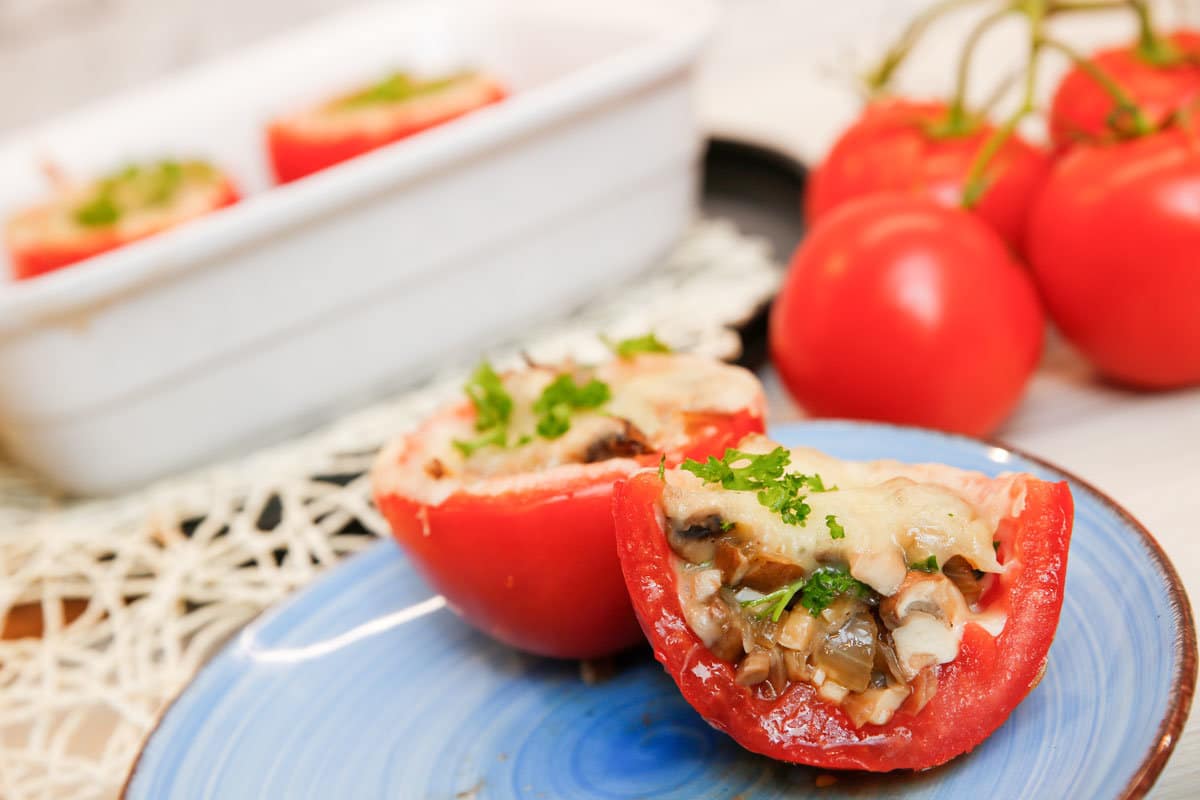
(870, 616)
(504, 502)
(132, 204)
(348, 126)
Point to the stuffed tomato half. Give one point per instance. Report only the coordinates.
(133, 203)
(398, 106)
(871, 616)
(504, 501)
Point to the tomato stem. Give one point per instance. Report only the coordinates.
(878, 78)
(959, 121)
(1125, 106)
(976, 183)
(1152, 47)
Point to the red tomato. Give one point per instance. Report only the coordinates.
(530, 559)
(1082, 109)
(891, 149)
(1114, 241)
(312, 140)
(33, 256)
(975, 693)
(898, 309)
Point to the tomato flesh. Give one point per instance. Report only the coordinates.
(976, 692)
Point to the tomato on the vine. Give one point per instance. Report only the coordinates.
(1083, 110)
(898, 309)
(1113, 241)
(907, 146)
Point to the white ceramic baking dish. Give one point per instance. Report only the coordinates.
(267, 317)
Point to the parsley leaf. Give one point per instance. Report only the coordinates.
(493, 409)
(662, 468)
(765, 474)
(98, 212)
(927, 565)
(627, 348)
(777, 601)
(836, 531)
(563, 396)
(826, 584)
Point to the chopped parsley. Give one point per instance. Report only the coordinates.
(563, 396)
(398, 87)
(493, 409)
(101, 210)
(836, 531)
(726, 525)
(817, 592)
(826, 584)
(662, 468)
(778, 489)
(627, 348)
(928, 565)
(138, 186)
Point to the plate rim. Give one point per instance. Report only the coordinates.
(1183, 683)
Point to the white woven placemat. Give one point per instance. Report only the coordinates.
(169, 572)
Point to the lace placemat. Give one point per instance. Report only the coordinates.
(111, 605)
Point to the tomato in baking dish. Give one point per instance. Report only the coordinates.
(504, 502)
(846, 615)
(123, 207)
(352, 124)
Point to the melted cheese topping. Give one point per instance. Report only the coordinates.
(335, 120)
(893, 515)
(654, 392)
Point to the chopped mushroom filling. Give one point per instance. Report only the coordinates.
(779, 623)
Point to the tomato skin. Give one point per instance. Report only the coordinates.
(33, 261)
(295, 153)
(976, 692)
(537, 568)
(1081, 108)
(897, 309)
(889, 149)
(1113, 245)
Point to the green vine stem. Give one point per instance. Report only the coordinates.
(959, 121)
(1126, 108)
(1151, 46)
(976, 182)
(878, 79)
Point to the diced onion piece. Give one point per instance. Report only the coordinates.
(706, 583)
(847, 653)
(875, 706)
(833, 691)
(798, 631)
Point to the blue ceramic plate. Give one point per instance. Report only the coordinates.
(366, 686)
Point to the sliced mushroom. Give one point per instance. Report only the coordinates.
(798, 631)
(765, 574)
(924, 687)
(732, 562)
(965, 579)
(922, 593)
(625, 443)
(754, 669)
(695, 539)
(923, 641)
